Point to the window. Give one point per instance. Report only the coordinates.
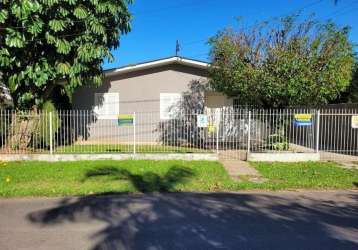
(169, 105)
(106, 105)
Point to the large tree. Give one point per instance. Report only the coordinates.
(350, 95)
(51, 46)
(282, 63)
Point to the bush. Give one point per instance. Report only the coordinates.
(277, 142)
(42, 133)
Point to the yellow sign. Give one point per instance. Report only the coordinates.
(354, 121)
(211, 128)
(302, 119)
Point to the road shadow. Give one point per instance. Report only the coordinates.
(210, 221)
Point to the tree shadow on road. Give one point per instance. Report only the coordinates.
(146, 182)
(209, 221)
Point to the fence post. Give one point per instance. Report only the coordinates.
(317, 129)
(218, 116)
(134, 132)
(249, 136)
(51, 139)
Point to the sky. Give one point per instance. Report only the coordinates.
(157, 24)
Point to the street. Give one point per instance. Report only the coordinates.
(245, 220)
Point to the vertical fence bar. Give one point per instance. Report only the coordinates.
(217, 130)
(317, 130)
(51, 139)
(134, 132)
(249, 135)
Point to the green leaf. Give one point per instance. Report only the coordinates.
(63, 46)
(16, 10)
(97, 28)
(50, 3)
(14, 39)
(50, 38)
(3, 15)
(63, 68)
(80, 12)
(57, 25)
(36, 27)
(13, 83)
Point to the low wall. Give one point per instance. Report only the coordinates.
(283, 157)
(91, 157)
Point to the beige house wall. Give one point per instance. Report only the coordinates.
(139, 92)
(217, 100)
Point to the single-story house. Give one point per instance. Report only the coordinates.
(152, 86)
(154, 90)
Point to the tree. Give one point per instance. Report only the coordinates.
(353, 88)
(52, 46)
(283, 62)
(350, 95)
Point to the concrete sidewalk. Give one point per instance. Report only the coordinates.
(247, 220)
(239, 170)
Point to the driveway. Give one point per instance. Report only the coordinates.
(247, 220)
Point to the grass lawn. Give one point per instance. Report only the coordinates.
(93, 177)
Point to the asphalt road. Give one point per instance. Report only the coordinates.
(252, 220)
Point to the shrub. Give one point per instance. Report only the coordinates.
(42, 132)
(277, 142)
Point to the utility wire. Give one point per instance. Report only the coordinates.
(270, 19)
(341, 10)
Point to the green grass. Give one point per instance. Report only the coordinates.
(311, 175)
(30, 178)
(121, 148)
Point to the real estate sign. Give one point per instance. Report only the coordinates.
(202, 121)
(211, 128)
(125, 120)
(302, 119)
(354, 121)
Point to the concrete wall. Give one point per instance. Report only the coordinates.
(283, 157)
(93, 157)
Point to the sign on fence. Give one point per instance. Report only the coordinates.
(202, 121)
(302, 119)
(354, 121)
(125, 120)
(211, 128)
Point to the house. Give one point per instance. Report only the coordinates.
(152, 86)
(154, 90)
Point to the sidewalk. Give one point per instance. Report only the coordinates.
(239, 170)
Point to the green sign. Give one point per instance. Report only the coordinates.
(125, 120)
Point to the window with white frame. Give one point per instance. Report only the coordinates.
(169, 105)
(106, 105)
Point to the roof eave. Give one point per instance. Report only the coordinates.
(158, 63)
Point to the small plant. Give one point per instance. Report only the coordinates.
(277, 142)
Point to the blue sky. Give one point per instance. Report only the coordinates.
(157, 24)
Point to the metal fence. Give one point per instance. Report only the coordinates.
(230, 132)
